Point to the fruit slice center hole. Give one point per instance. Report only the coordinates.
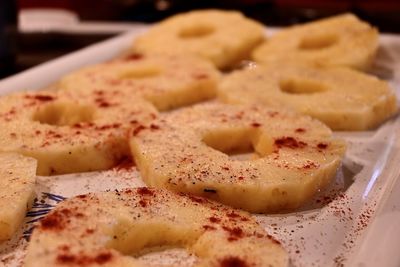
(239, 144)
(317, 42)
(152, 241)
(196, 31)
(301, 86)
(166, 256)
(61, 114)
(141, 73)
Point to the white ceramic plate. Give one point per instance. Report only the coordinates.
(352, 223)
(46, 20)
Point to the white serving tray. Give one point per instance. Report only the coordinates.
(352, 223)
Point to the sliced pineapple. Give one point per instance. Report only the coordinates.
(223, 37)
(342, 98)
(342, 40)
(294, 155)
(71, 131)
(168, 81)
(17, 184)
(103, 229)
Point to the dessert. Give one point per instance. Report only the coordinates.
(222, 37)
(17, 190)
(167, 81)
(103, 229)
(342, 98)
(71, 132)
(185, 152)
(342, 40)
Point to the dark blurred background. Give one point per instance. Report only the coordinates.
(35, 48)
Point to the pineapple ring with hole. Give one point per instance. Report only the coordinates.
(17, 190)
(103, 229)
(222, 37)
(167, 81)
(342, 98)
(70, 131)
(294, 155)
(342, 40)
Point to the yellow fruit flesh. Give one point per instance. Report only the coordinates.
(105, 228)
(222, 37)
(342, 40)
(342, 98)
(71, 132)
(17, 184)
(296, 155)
(167, 81)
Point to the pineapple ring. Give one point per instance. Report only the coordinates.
(100, 229)
(17, 185)
(69, 131)
(342, 98)
(295, 155)
(342, 40)
(222, 37)
(167, 81)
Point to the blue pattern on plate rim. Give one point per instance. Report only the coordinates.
(41, 206)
